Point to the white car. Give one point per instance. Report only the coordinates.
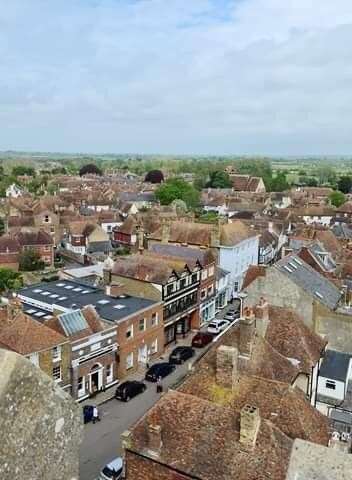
(218, 325)
(112, 470)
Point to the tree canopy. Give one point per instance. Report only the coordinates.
(90, 169)
(30, 261)
(154, 176)
(177, 189)
(278, 183)
(337, 198)
(219, 179)
(345, 184)
(23, 170)
(9, 280)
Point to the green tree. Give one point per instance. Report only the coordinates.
(279, 183)
(311, 182)
(2, 226)
(345, 184)
(219, 179)
(59, 171)
(337, 198)
(177, 189)
(200, 181)
(30, 261)
(9, 280)
(326, 174)
(23, 170)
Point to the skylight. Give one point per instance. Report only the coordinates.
(297, 261)
(77, 289)
(30, 311)
(39, 314)
(103, 302)
(68, 287)
(86, 291)
(293, 265)
(54, 295)
(63, 298)
(288, 269)
(318, 294)
(45, 293)
(60, 284)
(37, 290)
(119, 307)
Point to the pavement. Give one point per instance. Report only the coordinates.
(101, 442)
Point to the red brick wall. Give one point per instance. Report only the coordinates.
(139, 338)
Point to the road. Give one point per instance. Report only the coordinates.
(102, 441)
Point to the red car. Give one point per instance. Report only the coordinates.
(201, 339)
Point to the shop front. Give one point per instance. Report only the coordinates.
(177, 329)
(207, 311)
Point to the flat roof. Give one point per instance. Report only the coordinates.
(72, 295)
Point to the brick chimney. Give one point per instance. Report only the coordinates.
(247, 332)
(115, 290)
(154, 439)
(165, 231)
(249, 425)
(14, 307)
(140, 238)
(262, 316)
(226, 366)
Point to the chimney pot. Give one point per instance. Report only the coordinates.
(262, 316)
(247, 332)
(249, 425)
(115, 290)
(154, 439)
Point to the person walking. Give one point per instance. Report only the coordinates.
(96, 417)
(159, 386)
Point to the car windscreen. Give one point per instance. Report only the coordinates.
(109, 473)
(213, 325)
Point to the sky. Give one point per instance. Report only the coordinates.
(254, 77)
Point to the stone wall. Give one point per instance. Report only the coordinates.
(41, 426)
(279, 290)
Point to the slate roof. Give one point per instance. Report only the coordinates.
(335, 365)
(69, 295)
(99, 247)
(310, 280)
(342, 231)
(205, 257)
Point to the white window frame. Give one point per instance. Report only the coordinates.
(129, 360)
(155, 319)
(153, 347)
(129, 329)
(211, 271)
(56, 353)
(81, 391)
(55, 377)
(204, 274)
(144, 324)
(203, 294)
(109, 375)
(34, 358)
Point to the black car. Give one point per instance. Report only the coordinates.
(159, 370)
(88, 413)
(181, 354)
(129, 389)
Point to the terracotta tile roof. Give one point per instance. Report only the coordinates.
(235, 232)
(253, 272)
(201, 439)
(9, 244)
(33, 238)
(25, 221)
(285, 406)
(25, 335)
(345, 208)
(288, 334)
(81, 228)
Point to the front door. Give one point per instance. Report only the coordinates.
(96, 379)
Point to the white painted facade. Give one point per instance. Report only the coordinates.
(236, 259)
(13, 191)
(321, 220)
(222, 291)
(108, 226)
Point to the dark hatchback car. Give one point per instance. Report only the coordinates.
(181, 354)
(129, 389)
(201, 339)
(159, 370)
(88, 413)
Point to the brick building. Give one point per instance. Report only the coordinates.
(45, 348)
(39, 241)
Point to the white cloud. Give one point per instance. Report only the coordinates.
(217, 76)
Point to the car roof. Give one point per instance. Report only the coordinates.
(115, 464)
(158, 365)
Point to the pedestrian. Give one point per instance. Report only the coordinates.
(96, 417)
(159, 386)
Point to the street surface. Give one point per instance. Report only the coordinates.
(102, 441)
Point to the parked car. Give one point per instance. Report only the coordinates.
(232, 315)
(201, 339)
(159, 370)
(88, 413)
(112, 470)
(129, 389)
(217, 326)
(181, 354)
